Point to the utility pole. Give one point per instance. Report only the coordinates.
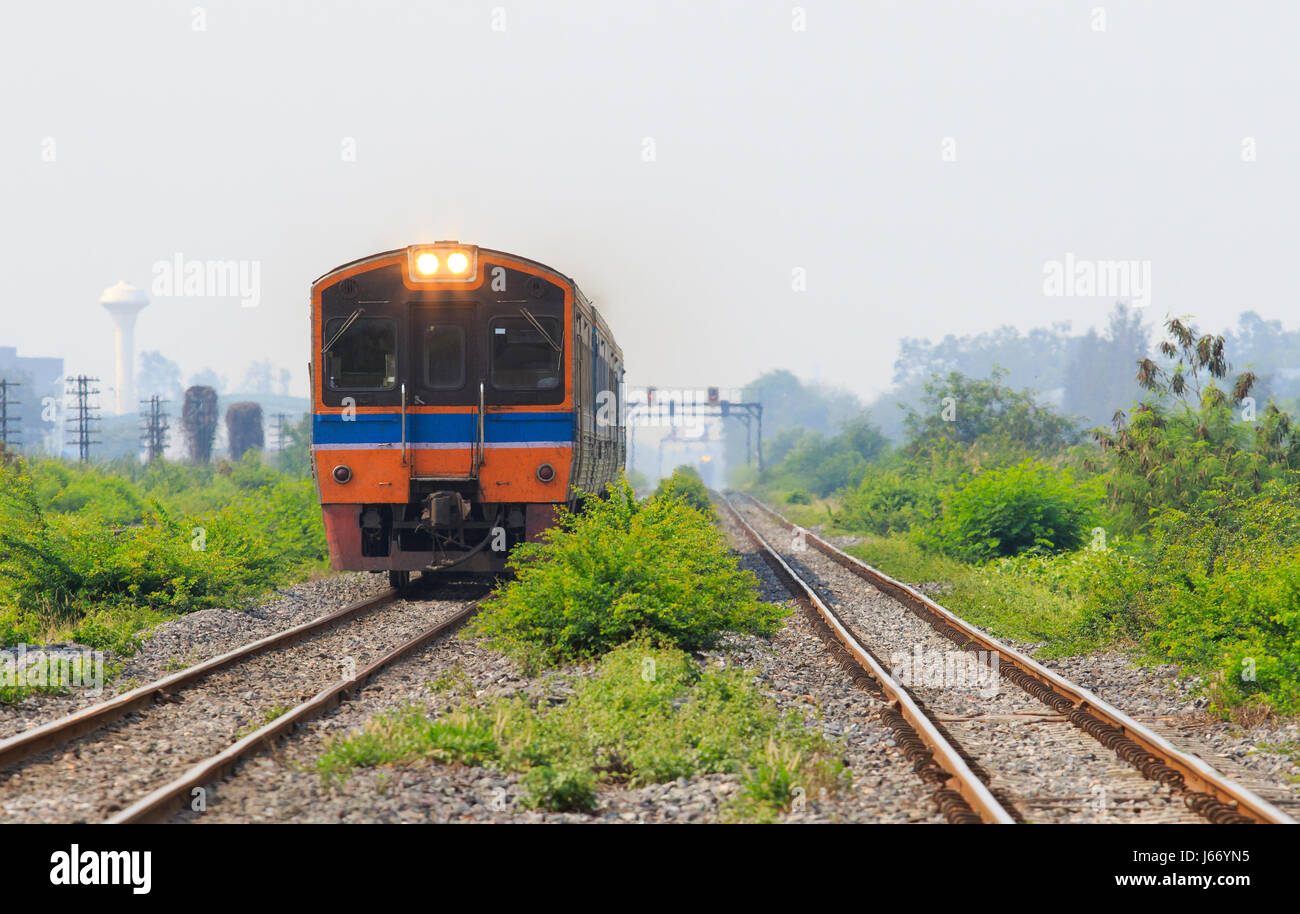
(280, 420)
(153, 434)
(84, 415)
(10, 425)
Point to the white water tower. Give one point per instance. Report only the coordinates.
(124, 302)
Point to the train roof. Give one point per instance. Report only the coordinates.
(397, 251)
(578, 293)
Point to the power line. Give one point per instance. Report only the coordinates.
(85, 415)
(154, 426)
(280, 434)
(10, 426)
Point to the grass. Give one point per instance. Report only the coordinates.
(1001, 598)
(1020, 599)
(646, 714)
(98, 554)
(257, 723)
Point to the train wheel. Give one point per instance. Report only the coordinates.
(399, 580)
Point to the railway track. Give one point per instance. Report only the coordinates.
(193, 728)
(991, 751)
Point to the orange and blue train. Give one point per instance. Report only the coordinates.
(459, 395)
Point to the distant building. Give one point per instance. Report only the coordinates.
(39, 399)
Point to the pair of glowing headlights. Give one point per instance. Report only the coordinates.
(426, 264)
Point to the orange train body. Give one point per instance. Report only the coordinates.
(452, 412)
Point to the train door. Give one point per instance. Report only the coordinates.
(448, 355)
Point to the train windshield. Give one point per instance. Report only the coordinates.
(364, 357)
(524, 355)
(444, 356)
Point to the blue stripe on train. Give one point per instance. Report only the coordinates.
(500, 428)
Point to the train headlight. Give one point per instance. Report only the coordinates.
(546, 472)
(441, 263)
(342, 474)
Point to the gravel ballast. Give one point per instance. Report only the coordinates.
(1039, 766)
(195, 637)
(794, 668)
(102, 772)
(1264, 758)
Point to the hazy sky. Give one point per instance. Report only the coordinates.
(774, 148)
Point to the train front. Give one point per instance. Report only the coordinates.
(443, 402)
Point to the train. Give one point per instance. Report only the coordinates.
(459, 396)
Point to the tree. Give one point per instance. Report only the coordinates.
(244, 428)
(208, 378)
(961, 411)
(199, 422)
(1099, 378)
(1183, 447)
(159, 376)
(825, 464)
(295, 457)
(258, 378)
(789, 403)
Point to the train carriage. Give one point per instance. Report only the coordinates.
(459, 395)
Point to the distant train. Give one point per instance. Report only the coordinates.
(459, 395)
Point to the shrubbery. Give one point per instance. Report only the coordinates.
(619, 568)
(805, 460)
(1198, 556)
(648, 714)
(1218, 590)
(890, 500)
(1026, 508)
(685, 485)
(96, 557)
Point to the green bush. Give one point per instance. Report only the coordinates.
(685, 485)
(1216, 590)
(808, 460)
(620, 568)
(564, 789)
(889, 500)
(1029, 507)
(97, 557)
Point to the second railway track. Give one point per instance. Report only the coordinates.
(1044, 749)
(134, 757)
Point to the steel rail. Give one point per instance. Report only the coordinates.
(961, 777)
(1099, 718)
(57, 732)
(176, 795)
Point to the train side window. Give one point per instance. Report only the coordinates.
(522, 357)
(364, 357)
(444, 357)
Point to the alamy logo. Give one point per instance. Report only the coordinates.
(78, 867)
(1073, 277)
(190, 278)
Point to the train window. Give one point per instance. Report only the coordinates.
(523, 356)
(364, 357)
(444, 357)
